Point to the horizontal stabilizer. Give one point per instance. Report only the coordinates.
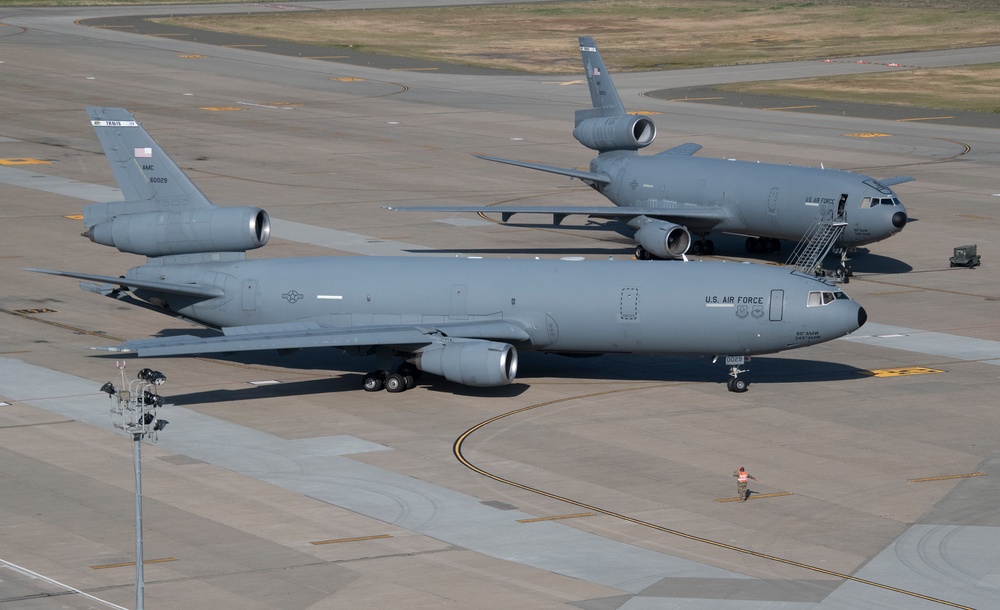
(683, 150)
(897, 180)
(191, 290)
(572, 173)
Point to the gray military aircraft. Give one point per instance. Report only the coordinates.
(666, 197)
(464, 319)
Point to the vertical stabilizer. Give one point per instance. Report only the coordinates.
(603, 94)
(145, 173)
(164, 213)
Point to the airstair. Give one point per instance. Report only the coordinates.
(815, 245)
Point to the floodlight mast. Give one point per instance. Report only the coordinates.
(133, 409)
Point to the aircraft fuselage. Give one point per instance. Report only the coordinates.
(758, 199)
(565, 306)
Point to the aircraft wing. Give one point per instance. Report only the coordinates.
(191, 290)
(699, 218)
(572, 173)
(897, 180)
(297, 335)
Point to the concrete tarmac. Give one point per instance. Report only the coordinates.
(613, 491)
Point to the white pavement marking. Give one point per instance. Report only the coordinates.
(29, 573)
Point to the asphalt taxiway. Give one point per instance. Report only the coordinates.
(280, 484)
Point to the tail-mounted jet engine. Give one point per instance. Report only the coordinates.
(469, 362)
(626, 132)
(236, 229)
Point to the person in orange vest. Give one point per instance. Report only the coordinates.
(742, 476)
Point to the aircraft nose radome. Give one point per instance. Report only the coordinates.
(862, 316)
(899, 220)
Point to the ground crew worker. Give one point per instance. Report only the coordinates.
(741, 483)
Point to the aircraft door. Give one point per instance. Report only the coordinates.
(777, 305)
(629, 309)
(457, 309)
(842, 206)
(249, 295)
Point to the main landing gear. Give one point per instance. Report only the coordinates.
(704, 246)
(763, 245)
(736, 384)
(405, 377)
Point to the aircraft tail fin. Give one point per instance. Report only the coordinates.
(603, 94)
(164, 213)
(145, 174)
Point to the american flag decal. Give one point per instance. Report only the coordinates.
(143, 153)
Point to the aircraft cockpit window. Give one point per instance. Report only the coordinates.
(817, 298)
(870, 202)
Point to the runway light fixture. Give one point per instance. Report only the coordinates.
(153, 377)
(133, 409)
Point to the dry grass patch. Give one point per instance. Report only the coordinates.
(970, 88)
(633, 34)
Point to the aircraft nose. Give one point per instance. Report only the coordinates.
(899, 220)
(862, 316)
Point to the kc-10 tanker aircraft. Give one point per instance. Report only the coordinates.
(664, 198)
(461, 318)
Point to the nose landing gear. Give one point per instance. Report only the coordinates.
(736, 384)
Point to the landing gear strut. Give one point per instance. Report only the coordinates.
(737, 384)
(844, 271)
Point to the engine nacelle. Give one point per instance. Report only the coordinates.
(627, 132)
(664, 239)
(469, 362)
(203, 230)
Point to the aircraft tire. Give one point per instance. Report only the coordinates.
(752, 244)
(395, 383)
(709, 247)
(641, 254)
(738, 385)
(373, 382)
(411, 372)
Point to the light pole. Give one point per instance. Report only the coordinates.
(133, 409)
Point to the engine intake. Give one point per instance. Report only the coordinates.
(469, 362)
(625, 132)
(664, 239)
(203, 230)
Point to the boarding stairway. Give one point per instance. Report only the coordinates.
(815, 245)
